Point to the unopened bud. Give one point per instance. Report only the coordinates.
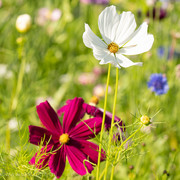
(23, 23)
(94, 100)
(145, 120)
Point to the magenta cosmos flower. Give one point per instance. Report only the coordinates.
(67, 140)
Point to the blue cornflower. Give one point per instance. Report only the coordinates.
(158, 84)
(161, 51)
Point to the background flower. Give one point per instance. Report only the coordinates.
(23, 23)
(158, 84)
(95, 1)
(157, 13)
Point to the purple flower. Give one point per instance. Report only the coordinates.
(67, 140)
(95, 1)
(157, 13)
(158, 84)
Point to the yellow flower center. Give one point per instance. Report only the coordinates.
(113, 47)
(64, 138)
(145, 120)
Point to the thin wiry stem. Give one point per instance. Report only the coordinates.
(103, 121)
(112, 124)
(127, 141)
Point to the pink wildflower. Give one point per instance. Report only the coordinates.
(87, 78)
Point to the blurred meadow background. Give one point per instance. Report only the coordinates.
(50, 62)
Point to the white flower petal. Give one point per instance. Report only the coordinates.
(141, 47)
(108, 22)
(100, 52)
(125, 28)
(125, 62)
(89, 38)
(137, 36)
(110, 58)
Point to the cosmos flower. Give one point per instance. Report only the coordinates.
(55, 15)
(67, 140)
(45, 14)
(98, 70)
(87, 78)
(23, 23)
(42, 16)
(158, 84)
(119, 38)
(95, 1)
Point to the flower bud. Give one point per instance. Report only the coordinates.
(145, 120)
(94, 101)
(23, 23)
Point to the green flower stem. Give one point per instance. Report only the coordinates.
(112, 172)
(102, 174)
(103, 121)
(8, 138)
(19, 84)
(14, 99)
(112, 124)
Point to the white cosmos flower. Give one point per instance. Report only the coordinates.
(119, 38)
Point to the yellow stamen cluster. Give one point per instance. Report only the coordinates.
(64, 138)
(113, 47)
(145, 120)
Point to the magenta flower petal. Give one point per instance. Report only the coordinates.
(49, 118)
(38, 134)
(86, 129)
(41, 159)
(116, 120)
(76, 159)
(62, 110)
(69, 102)
(57, 162)
(72, 114)
(90, 149)
(92, 110)
(96, 112)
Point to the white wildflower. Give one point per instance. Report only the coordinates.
(13, 124)
(119, 38)
(4, 72)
